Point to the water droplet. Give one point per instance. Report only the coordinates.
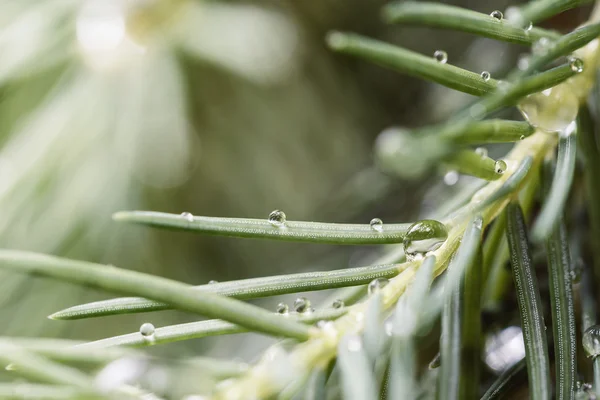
(440, 56)
(376, 225)
(478, 223)
(282, 308)
(277, 218)
(496, 14)
(585, 391)
(338, 303)
(576, 64)
(212, 282)
(436, 362)
(147, 330)
(424, 236)
(354, 343)
(377, 284)
(485, 75)
(523, 62)
(451, 178)
(500, 167)
(591, 341)
(529, 26)
(576, 271)
(302, 304)
(481, 152)
(551, 110)
(522, 137)
(187, 216)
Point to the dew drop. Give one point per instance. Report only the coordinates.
(376, 225)
(591, 341)
(551, 110)
(481, 152)
(522, 137)
(376, 285)
(282, 308)
(424, 236)
(187, 216)
(147, 330)
(485, 75)
(440, 56)
(354, 343)
(529, 26)
(576, 64)
(451, 178)
(212, 282)
(338, 303)
(302, 304)
(576, 271)
(277, 218)
(584, 391)
(496, 14)
(500, 167)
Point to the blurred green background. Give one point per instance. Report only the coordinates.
(224, 108)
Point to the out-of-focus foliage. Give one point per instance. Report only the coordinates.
(227, 108)
(218, 108)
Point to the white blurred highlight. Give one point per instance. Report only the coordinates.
(102, 35)
(504, 349)
(257, 43)
(100, 26)
(152, 134)
(118, 373)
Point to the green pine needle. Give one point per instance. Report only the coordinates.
(561, 184)
(178, 295)
(201, 329)
(241, 289)
(530, 305)
(297, 231)
(450, 17)
(411, 63)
